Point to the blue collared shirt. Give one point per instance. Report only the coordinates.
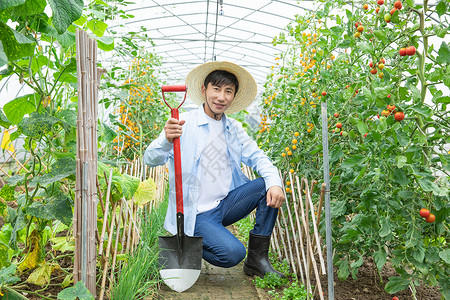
(241, 149)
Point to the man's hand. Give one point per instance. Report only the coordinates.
(173, 129)
(275, 197)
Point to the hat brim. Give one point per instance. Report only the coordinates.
(247, 86)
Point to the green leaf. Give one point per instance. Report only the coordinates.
(441, 8)
(65, 12)
(97, 27)
(56, 207)
(362, 127)
(4, 122)
(338, 208)
(7, 192)
(395, 18)
(365, 47)
(344, 270)
(399, 176)
(444, 100)
(107, 134)
(15, 44)
(146, 192)
(6, 275)
(415, 92)
(361, 173)
(15, 180)
(30, 7)
(382, 92)
(4, 4)
(418, 253)
(17, 108)
(396, 284)
(66, 39)
(428, 186)
(443, 54)
(381, 35)
(406, 194)
(367, 94)
(385, 227)
(63, 244)
(128, 184)
(3, 57)
(422, 110)
(336, 154)
(352, 161)
(380, 258)
(402, 138)
(39, 124)
(445, 255)
(78, 291)
(18, 224)
(61, 169)
(65, 77)
(401, 161)
(106, 43)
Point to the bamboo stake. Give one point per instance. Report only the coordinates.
(108, 247)
(105, 214)
(315, 230)
(319, 212)
(274, 242)
(299, 229)
(280, 230)
(310, 251)
(294, 234)
(306, 231)
(292, 261)
(115, 246)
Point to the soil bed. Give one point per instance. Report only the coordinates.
(368, 286)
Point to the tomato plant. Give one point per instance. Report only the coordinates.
(382, 171)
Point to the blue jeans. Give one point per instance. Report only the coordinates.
(220, 247)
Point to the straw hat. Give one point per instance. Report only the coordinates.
(247, 85)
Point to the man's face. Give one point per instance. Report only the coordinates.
(218, 98)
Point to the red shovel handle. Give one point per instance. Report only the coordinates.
(176, 145)
(177, 162)
(173, 88)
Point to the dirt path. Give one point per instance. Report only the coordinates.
(218, 283)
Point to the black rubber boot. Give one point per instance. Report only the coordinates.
(257, 261)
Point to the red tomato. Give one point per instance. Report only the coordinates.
(324, 93)
(339, 125)
(402, 51)
(385, 113)
(398, 5)
(411, 50)
(391, 107)
(424, 213)
(399, 116)
(430, 218)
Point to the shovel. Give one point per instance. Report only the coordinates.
(180, 256)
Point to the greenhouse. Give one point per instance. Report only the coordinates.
(224, 149)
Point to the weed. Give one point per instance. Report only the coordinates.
(139, 278)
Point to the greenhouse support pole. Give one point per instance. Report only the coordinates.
(326, 178)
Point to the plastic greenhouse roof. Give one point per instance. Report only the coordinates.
(188, 33)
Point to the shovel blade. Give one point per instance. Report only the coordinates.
(180, 258)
